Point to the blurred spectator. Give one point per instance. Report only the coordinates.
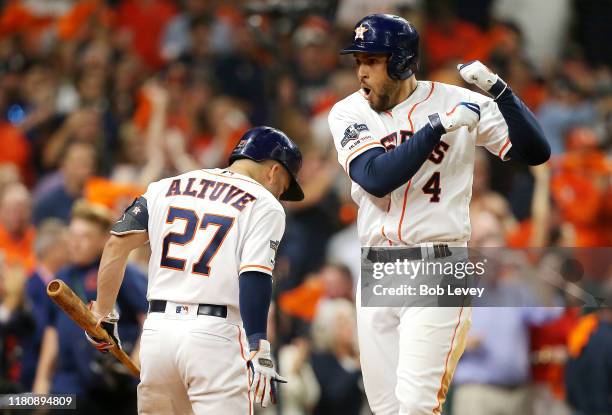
(544, 42)
(446, 38)
(68, 363)
(588, 374)
(301, 393)
(50, 247)
(581, 187)
(487, 200)
(344, 248)
(241, 73)
(338, 282)
(332, 281)
(199, 55)
(141, 160)
(550, 353)
(15, 323)
(176, 40)
(16, 147)
(56, 200)
(16, 232)
(142, 22)
(315, 219)
(335, 360)
(493, 373)
(567, 107)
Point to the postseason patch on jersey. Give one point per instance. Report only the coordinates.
(274, 245)
(352, 132)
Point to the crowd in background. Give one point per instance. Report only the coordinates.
(100, 97)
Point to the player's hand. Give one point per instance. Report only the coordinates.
(464, 114)
(108, 323)
(476, 73)
(262, 375)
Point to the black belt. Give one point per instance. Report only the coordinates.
(409, 254)
(159, 306)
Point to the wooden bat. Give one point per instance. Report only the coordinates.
(72, 305)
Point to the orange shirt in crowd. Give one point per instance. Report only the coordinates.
(15, 147)
(302, 301)
(113, 195)
(18, 18)
(146, 21)
(546, 338)
(580, 190)
(455, 44)
(73, 23)
(18, 252)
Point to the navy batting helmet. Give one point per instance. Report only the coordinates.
(386, 33)
(267, 143)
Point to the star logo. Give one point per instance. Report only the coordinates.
(360, 31)
(136, 210)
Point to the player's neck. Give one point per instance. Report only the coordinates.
(407, 87)
(241, 169)
(246, 168)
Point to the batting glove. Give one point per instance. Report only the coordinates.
(108, 323)
(464, 114)
(476, 73)
(263, 376)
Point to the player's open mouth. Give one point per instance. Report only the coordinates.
(366, 92)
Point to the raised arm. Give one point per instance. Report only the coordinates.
(528, 142)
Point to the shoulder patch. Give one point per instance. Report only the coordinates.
(352, 132)
(135, 218)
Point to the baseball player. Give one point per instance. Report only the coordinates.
(408, 147)
(213, 236)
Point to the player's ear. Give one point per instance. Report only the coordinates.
(275, 170)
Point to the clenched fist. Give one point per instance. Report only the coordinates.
(476, 73)
(464, 114)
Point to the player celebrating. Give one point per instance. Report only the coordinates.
(408, 146)
(213, 236)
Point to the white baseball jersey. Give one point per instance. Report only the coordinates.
(433, 206)
(205, 228)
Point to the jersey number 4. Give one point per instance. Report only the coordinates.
(201, 267)
(432, 187)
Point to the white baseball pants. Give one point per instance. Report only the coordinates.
(409, 355)
(192, 364)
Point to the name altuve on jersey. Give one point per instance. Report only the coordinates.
(212, 190)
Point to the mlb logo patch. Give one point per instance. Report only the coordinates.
(352, 133)
(182, 309)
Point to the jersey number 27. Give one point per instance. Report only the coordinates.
(201, 267)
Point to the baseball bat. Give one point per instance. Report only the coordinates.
(72, 305)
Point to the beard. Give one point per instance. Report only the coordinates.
(386, 98)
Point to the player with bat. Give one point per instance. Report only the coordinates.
(213, 236)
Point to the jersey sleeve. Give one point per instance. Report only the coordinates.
(135, 219)
(493, 130)
(262, 241)
(351, 135)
